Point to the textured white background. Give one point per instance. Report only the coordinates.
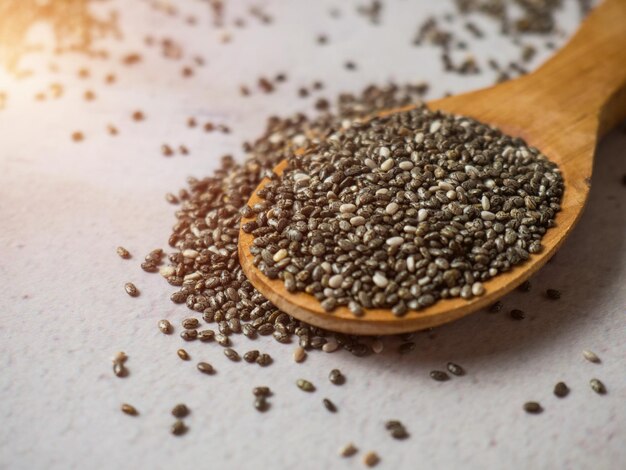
(64, 207)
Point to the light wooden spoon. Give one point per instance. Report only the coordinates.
(562, 109)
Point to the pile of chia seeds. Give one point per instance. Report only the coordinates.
(401, 211)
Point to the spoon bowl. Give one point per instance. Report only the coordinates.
(561, 109)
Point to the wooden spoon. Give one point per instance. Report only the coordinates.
(562, 109)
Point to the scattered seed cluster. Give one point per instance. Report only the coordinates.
(404, 210)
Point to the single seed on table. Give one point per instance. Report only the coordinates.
(165, 327)
(251, 356)
(189, 335)
(329, 405)
(348, 450)
(206, 335)
(231, 354)
(260, 403)
(305, 385)
(180, 410)
(336, 377)
(439, 375)
(261, 391)
(591, 356)
(119, 370)
(561, 390)
(455, 369)
(597, 386)
(553, 294)
(299, 354)
(371, 459)
(178, 428)
(129, 409)
(377, 346)
(517, 314)
(532, 407)
(131, 290)
(264, 360)
(123, 252)
(205, 368)
(524, 286)
(222, 339)
(120, 357)
(190, 323)
(398, 431)
(496, 307)
(184, 355)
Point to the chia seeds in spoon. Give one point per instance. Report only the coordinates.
(404, 210)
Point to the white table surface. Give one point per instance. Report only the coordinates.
(64, 207)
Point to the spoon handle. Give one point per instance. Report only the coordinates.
(585, 82)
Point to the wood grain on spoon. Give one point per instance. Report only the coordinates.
(562, 109)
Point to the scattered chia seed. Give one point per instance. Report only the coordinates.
(261, 404)
(205, 368)
(299, 354)
(439, 375)
(251, 356)
(517, 314)
(261, 391)
(532, 407)
(348, 450)
(336, 377)
(123, 252)
(232, 354)
(329, 405)
(184, 355)
(561, 390)
(524, 286)
(119, 370)
(455, 369)
(190, 323)
(180, 411)
(597, 386)
(178, 428)
(131, 290)
(397, 429)
(165, 327)
(496, 307)
(129, 409)
(591, 356)
(305, 385)
(189, 335)
(553, 294)
(371, 459)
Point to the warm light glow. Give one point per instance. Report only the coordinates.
(73, 25)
